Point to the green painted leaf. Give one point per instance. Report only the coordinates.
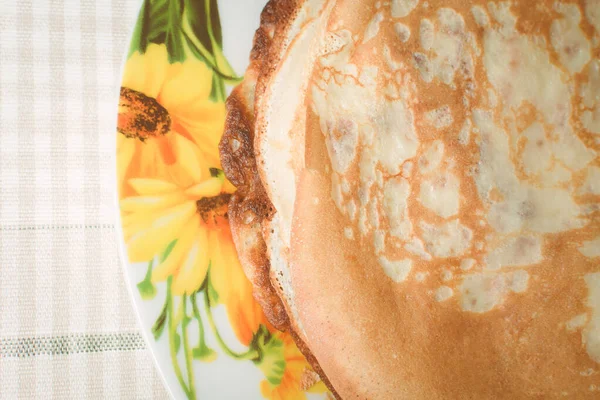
(159, 22)
(147, 290)
(193, 46)
(146, 287)
(217, 92)
(204, 353)
(159, 325)
(201, 352)
(150, 26)
(204, 40)
(173, 39)
(272, 360)
(137, 44)
(158, 15)
(168, 250)
(200, 24)
(186, 321)
(213, 295)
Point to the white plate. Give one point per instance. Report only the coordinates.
(171, 114)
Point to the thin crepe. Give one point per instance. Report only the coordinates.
(432, 169)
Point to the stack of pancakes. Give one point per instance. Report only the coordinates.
(419, 193)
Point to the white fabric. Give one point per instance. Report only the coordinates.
(67, 326)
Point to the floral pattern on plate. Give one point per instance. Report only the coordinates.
(173, 200)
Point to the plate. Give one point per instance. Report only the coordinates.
(208, 336)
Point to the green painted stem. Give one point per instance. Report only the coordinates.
(251, 354)
(186, 351)
(216, 50)
(172, 333)
(201, 49)
(225, 67)
(196, 312)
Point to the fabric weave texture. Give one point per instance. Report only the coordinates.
(67, 325)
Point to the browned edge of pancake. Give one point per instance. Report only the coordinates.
(250, 205)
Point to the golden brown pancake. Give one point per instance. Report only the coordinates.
(250, 205)
(426, 183)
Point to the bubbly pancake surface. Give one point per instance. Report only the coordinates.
(435, 177)
(443, 173)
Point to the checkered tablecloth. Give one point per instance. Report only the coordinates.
(67, 327)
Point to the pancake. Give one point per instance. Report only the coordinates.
(250, 206)
(250, 209)
(432, 177)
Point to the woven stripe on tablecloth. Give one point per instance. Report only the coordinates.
(64, 345)
(67, 327)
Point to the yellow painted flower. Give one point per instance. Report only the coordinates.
(162, 107)
(289, 387)
(193, 216)
(174, 200)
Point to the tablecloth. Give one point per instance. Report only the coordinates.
(67, 326)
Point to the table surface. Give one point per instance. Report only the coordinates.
(67, 326)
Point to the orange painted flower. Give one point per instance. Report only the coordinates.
(162, 108)
(282, 363)
(234, 289)
(289, 387)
